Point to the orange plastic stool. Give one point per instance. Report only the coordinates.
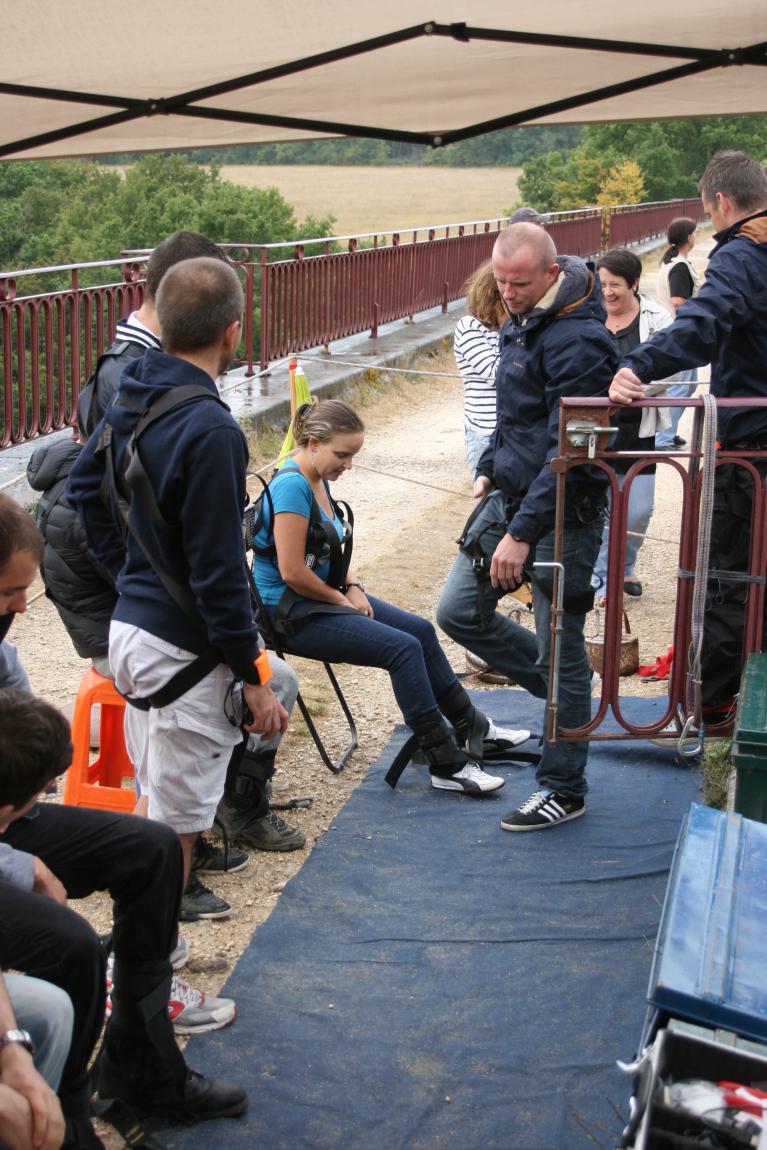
(97, 784)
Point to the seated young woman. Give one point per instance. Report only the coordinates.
(345, 624)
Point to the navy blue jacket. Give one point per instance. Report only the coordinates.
(195, 458)
(560, 348)
(724, 325)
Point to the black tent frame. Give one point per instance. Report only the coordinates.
(697, 60)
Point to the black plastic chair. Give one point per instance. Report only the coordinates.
(274, 644)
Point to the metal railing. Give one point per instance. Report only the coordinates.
(298, 295)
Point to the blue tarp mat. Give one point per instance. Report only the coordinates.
(429, 982)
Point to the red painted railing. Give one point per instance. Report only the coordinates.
(306, 295)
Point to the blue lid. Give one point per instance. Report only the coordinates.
(710, 957)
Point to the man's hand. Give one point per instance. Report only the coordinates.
(269, 717)
(45, 882)
(507, 561)
(45, 1122)
(626, 387)
(482, 485)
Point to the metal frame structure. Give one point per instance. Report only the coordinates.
(687, 465)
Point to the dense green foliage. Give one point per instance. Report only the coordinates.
(671, 154)
(72, 211)
(511, 147)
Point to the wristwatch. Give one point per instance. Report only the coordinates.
(22, 1037)
(355, 583)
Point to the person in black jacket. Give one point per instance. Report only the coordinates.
(553, 344)
(180, 735)
(724, 324)
(81, 591)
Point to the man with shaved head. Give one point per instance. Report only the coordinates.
(553, 344)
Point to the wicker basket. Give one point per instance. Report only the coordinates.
(629, 661)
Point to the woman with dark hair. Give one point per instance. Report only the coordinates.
(631, 319)
(678, 281)
(475, 346)
(300, 552)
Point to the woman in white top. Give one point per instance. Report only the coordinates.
(475, 345)
(678, 281)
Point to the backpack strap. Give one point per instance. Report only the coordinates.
(118, 492)
(119, 349)
(321, 536)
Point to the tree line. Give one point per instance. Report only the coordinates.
(73, 211)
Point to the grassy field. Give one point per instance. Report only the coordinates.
(385, 199)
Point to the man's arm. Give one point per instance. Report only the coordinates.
(45, 1122)
(726, 298)
(583, 367)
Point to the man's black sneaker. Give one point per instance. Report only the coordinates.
(203, 1098)
(266, 833)
(210, 859)
(199, 902)
(544, 809)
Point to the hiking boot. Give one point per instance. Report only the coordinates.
(193, 1012)
(265, 833)
(470, 780)
(544, 809)
(203, 1098)
(484, 672)
(210, 859)
(198, 902)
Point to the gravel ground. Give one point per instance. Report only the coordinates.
(410, 492)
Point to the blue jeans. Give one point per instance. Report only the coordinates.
(641, 502)
(475, 443)
(686, 386)
(523, 656)
(46, 1012)
(405, 645)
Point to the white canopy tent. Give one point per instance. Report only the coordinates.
(92, 77)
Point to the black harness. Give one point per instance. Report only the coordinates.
(117, 492)
(322, 546)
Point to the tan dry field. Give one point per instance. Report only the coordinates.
(385, 198)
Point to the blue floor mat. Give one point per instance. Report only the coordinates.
(429, 982)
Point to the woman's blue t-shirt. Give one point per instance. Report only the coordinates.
(290, 492)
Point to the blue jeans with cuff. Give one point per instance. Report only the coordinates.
(523, 655)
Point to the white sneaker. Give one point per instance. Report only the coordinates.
(505, 737)
(471, 780)
(193, 1012)
(179, 956)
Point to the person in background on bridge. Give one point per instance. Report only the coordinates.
(632, 318)
(475, 346)
(677, 282)
(554, 344)
(140, 330)
(724, 324)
